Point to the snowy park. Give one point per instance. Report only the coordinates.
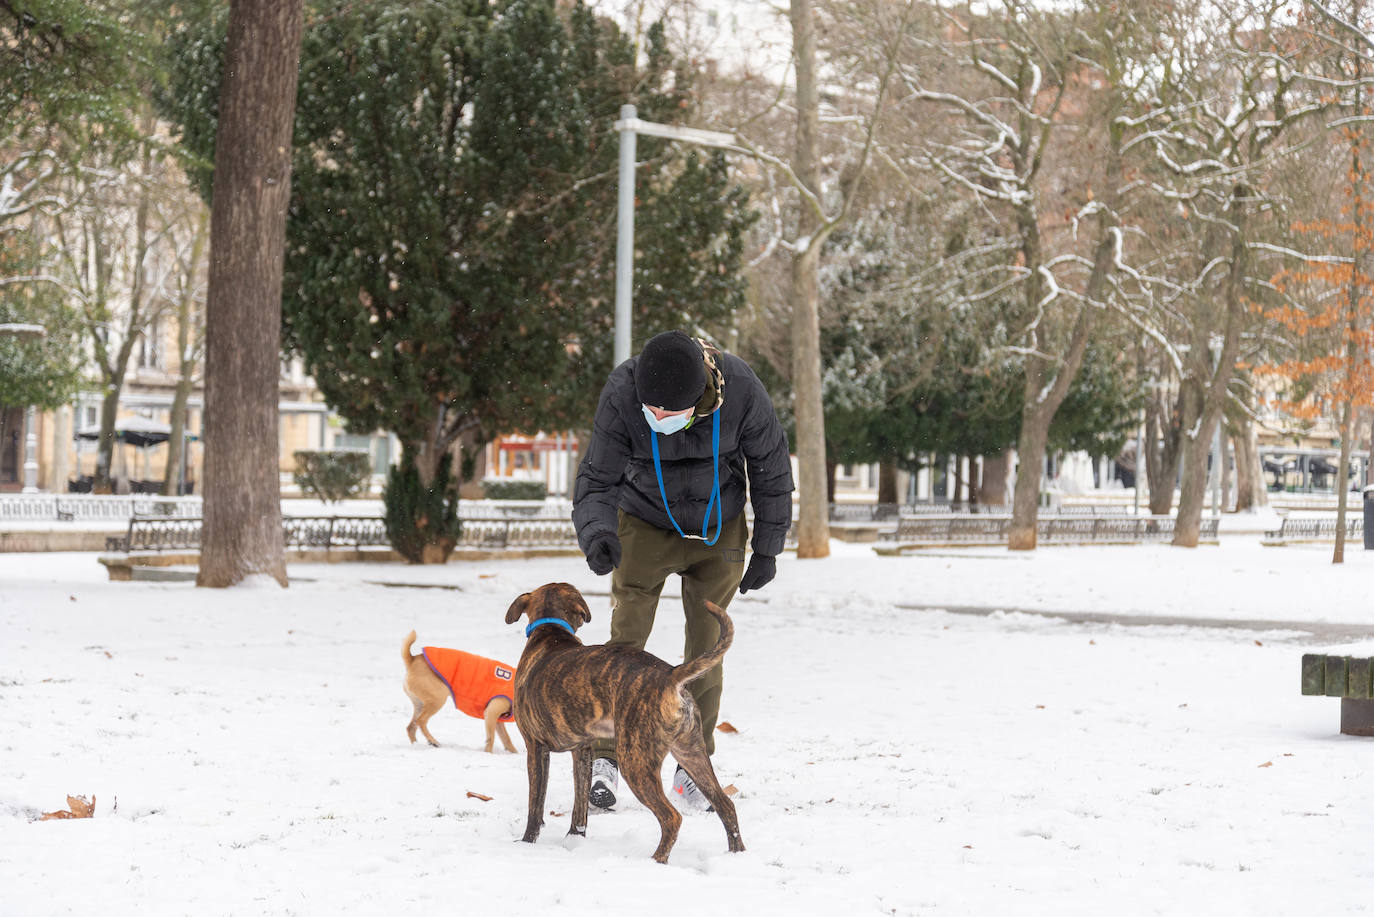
(1020, 751)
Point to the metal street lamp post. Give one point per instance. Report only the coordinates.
(630, 127)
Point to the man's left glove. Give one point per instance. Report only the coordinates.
(762, 569)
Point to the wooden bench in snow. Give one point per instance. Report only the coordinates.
(1346, 677)
(1295, 529)
(927, 531)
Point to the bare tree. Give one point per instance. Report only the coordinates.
(189, 299)
(1036, 81)
(108, 242)
(820, 204)
(1229, 102)
(242, 533)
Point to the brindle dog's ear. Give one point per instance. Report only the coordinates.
(517, 608)
(586, 611)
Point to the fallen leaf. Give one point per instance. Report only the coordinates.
(107, 655)
(1092, 643)
(1288, 754)
(79, 807)
(486, 576)
(72, 597)
(730, 790)
(1257, 643)
(1039, 706)
(1267, 764)
(551, 812)
(968, 846)
(726, 727)
(472, 795)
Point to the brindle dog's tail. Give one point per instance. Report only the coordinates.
(691, 671)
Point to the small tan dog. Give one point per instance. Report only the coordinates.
(480, 687)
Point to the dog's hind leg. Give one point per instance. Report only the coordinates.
(537, 760)
(642, 774)
(429, 708)
(496, 708)
(693, 758)
(414, 718)
(582, 786)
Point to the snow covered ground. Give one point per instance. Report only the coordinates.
(247, 747)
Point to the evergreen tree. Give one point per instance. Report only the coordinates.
(422, 518)
(451, 240)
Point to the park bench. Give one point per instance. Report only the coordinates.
(1296, 529)
(1346, 677)
(975, 529)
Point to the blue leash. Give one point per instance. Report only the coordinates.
(715, 485)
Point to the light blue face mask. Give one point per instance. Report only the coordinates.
(668, 425)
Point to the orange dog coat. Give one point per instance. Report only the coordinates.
(473, 680)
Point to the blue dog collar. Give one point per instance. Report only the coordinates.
(559, 621)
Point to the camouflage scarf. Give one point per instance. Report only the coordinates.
(714, 396)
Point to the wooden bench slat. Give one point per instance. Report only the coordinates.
(1314, 674)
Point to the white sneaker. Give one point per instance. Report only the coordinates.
(605, 781)
(685, 789)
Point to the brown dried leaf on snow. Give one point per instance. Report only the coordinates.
(79, 807)
(1267, 764)
(730, 790)
(472, 795)
(726, 727)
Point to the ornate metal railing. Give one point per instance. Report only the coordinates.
(87, 507)
(1316, 528)
(160, 533)
(955, 528)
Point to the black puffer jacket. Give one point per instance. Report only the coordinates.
(617, 470)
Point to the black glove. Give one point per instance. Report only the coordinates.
(603, 555)
(762, 569)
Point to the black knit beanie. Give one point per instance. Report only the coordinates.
(670, 372)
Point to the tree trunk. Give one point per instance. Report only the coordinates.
(1250, 489)
(173, 482)
(887, 482)
(1165, 444)
(242, 531)
(1025, 500)
(102, 480)
(993, 490)
(1225, 469)
(1045, 393)
(1193, 491)
(813, 525)
(1348, 433)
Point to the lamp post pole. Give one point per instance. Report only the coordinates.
(629, 126)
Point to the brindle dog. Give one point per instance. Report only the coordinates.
(568, 694)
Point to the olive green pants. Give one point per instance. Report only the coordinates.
(648, 556)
